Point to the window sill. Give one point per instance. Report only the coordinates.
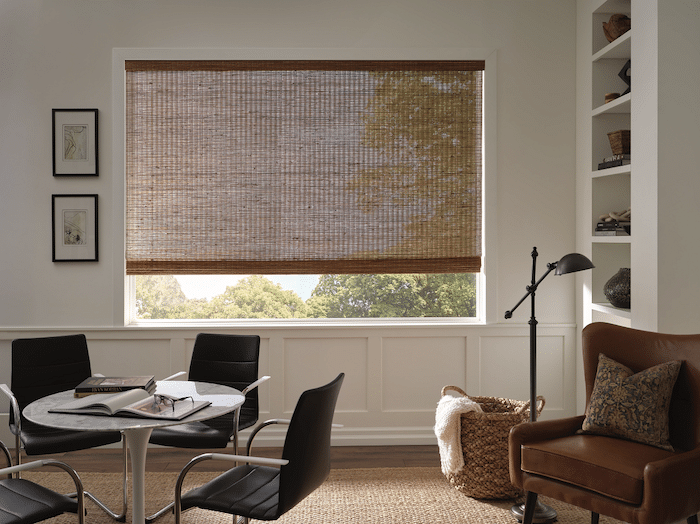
(305, 323)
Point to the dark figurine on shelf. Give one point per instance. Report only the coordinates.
(626, 75)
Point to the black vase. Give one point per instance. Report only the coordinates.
(617, 289)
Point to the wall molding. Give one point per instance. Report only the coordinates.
(394, 373)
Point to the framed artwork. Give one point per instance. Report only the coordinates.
(74, 142)
(74, 224)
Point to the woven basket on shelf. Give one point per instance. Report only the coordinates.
(484, 438)
(618, 25)
(620, 142)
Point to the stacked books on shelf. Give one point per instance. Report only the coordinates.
(612, 229)
(93, 385)
(615, 161)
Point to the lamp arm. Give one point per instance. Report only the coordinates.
(532, 288)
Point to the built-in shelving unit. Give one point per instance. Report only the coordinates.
(608, 189)
(661, 184)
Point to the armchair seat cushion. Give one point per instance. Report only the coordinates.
(610, 466)
(246, 490)
(42, 440)
(195, 435)
(22, 502)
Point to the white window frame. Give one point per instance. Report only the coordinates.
(486, 294)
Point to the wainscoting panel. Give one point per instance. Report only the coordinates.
(311, 362)
(505, 368)
(394, 372)
(415, 369)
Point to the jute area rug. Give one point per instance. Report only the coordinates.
(349, 496)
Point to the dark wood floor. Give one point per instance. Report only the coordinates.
(171, 459)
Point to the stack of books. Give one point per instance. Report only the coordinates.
(615, 161)
(93, 385)
(613, 228)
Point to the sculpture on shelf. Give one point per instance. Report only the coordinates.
(626, 75)
(617, 216)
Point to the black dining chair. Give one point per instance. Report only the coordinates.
(229, 360)
(41, 367)
(265, 488)
(26, 502)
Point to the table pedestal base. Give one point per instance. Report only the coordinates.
(137, 440)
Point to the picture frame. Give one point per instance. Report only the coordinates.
(74, 228)
(74, 142)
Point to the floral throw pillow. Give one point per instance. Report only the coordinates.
(632, 405)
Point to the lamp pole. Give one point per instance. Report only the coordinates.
(531, 290)
(567, 264)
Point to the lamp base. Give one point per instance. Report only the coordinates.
(543, 513)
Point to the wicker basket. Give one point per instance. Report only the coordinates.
(620, 142)
(484, 438)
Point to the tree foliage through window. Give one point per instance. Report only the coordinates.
(335, 296)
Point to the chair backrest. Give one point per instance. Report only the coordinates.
(639, 350)
(230, 360)
(307, 445)
(43, 366)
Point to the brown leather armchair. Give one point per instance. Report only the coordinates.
(623, 479)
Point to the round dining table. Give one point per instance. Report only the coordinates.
(137, 430)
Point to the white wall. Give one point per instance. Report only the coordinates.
(58, 54)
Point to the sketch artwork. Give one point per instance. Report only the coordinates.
(75, 143)
(74, 227)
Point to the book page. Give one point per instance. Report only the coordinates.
(104, 402)
(168, 410)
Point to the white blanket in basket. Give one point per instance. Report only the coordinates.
(448, 430)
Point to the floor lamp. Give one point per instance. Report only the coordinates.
(568, 264)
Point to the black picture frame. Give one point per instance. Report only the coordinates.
(74, 228)
(74, 139)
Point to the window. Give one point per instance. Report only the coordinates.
(161, 297)
(349, 170)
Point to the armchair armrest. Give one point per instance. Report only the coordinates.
(545, 429)
(79, 490)
(36, 464)
(260, 461)
(271, 422)
(175, 375)
(14, 405)
(532, 432)
(661, 483)
(255, 384)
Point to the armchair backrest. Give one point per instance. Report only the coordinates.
(230, 360)
(639, 350)
(307, 445)
(47, 365)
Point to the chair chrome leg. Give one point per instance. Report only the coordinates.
(161, 512)
(18, 453)
(121, 517)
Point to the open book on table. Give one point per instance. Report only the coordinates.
(133, 403)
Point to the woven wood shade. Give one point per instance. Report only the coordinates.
(274, 167)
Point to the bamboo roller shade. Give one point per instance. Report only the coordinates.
(274, 167)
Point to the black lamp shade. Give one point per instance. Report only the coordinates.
(573, 262)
